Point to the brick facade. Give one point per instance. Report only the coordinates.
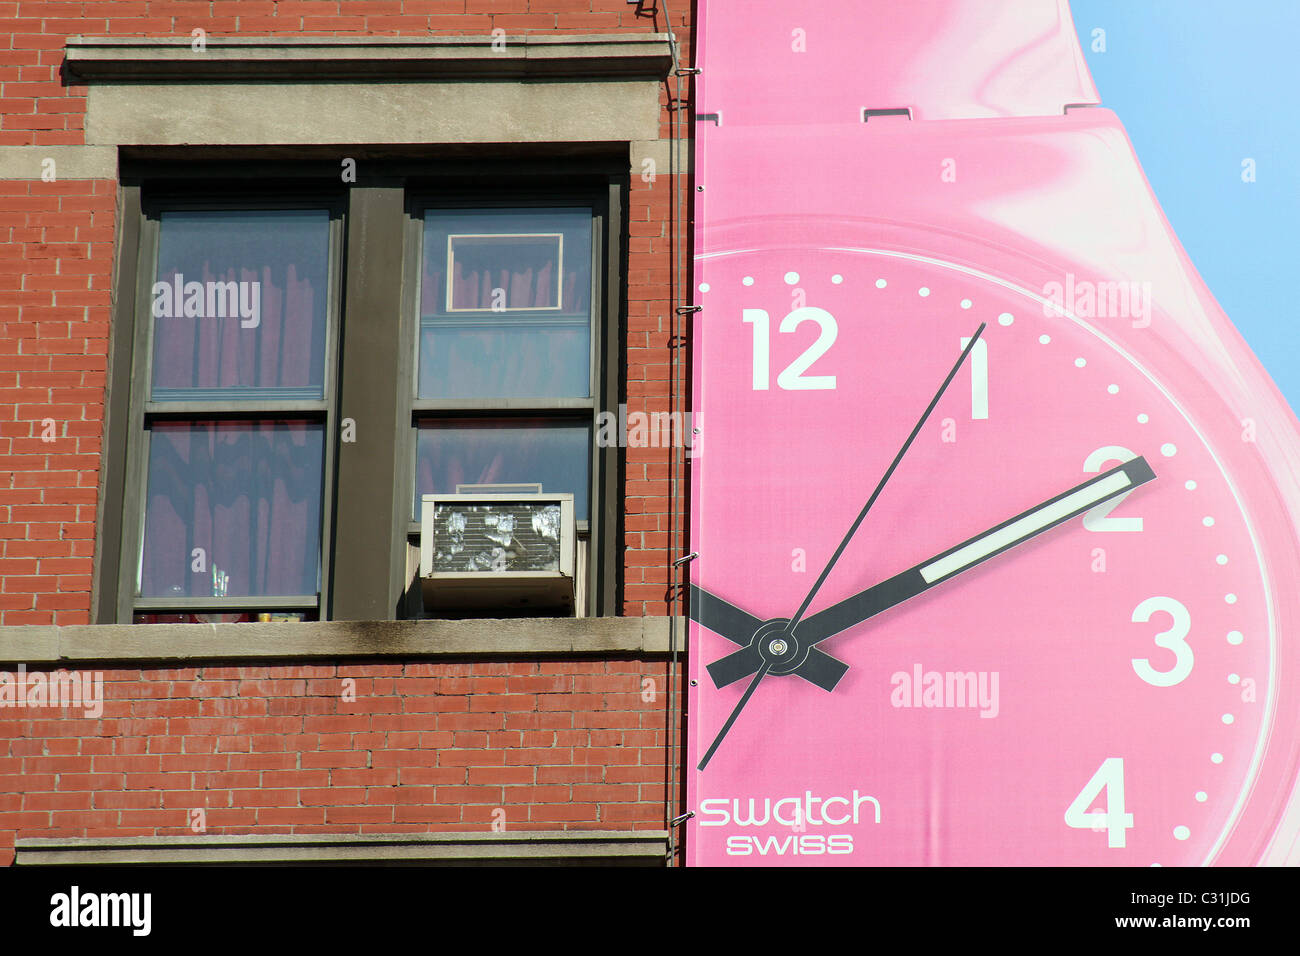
(554, 743)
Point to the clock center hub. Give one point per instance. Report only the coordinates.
(778, 647)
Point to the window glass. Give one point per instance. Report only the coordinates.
(239, 305)
(232, 509)
(558, 457)
(505, 304)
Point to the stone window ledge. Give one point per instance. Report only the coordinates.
(332, 640)
(537, 848)
(522, 56)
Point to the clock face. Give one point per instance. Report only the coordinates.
(1099, 694)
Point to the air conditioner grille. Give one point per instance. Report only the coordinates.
(500, 538)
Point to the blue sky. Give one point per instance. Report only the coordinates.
(1201, 85)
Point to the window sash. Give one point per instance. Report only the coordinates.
(145, 411)
(602, 271)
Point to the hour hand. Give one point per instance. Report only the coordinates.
(761, 640)
(818, 667)
(722, 617)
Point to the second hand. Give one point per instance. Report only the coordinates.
(753, 685)
(889, 472)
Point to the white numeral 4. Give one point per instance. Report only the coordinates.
(793, 377)
(1109, 777)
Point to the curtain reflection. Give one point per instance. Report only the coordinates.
(555, 456)
(283, 356)
(247, 494)
(534, 351)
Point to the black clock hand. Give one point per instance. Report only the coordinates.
(740, 627)
(774, 644)
(722, 617)
(884, 480)
(744, 699)
(901, 587)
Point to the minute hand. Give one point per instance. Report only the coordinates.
(893, 591)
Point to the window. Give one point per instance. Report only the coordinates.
(233, 398)
(291, 375)
(505, 354)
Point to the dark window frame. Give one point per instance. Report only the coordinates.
(419, 201)
(373, 332)
(143, 410)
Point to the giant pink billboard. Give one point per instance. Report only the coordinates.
(989, 571)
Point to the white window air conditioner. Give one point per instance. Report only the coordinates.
(492, 547)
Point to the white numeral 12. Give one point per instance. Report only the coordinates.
(1109, 777)
(793, 377)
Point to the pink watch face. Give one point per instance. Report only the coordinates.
(1090, 684)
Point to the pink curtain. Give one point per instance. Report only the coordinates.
(247, 494)
(218, 352)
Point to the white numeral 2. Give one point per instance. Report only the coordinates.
(1174, 639)
(792, 378)
(1109, 777)
(1099, 519)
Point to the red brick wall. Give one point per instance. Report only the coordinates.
(56, 257)
(423, 747)
(554, 744)
(56, 260)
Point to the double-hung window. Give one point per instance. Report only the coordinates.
(234, 378)
(291, 375)
(506, 373)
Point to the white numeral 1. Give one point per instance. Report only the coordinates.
(979, 377)
(1109, 777)
(761, 348)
